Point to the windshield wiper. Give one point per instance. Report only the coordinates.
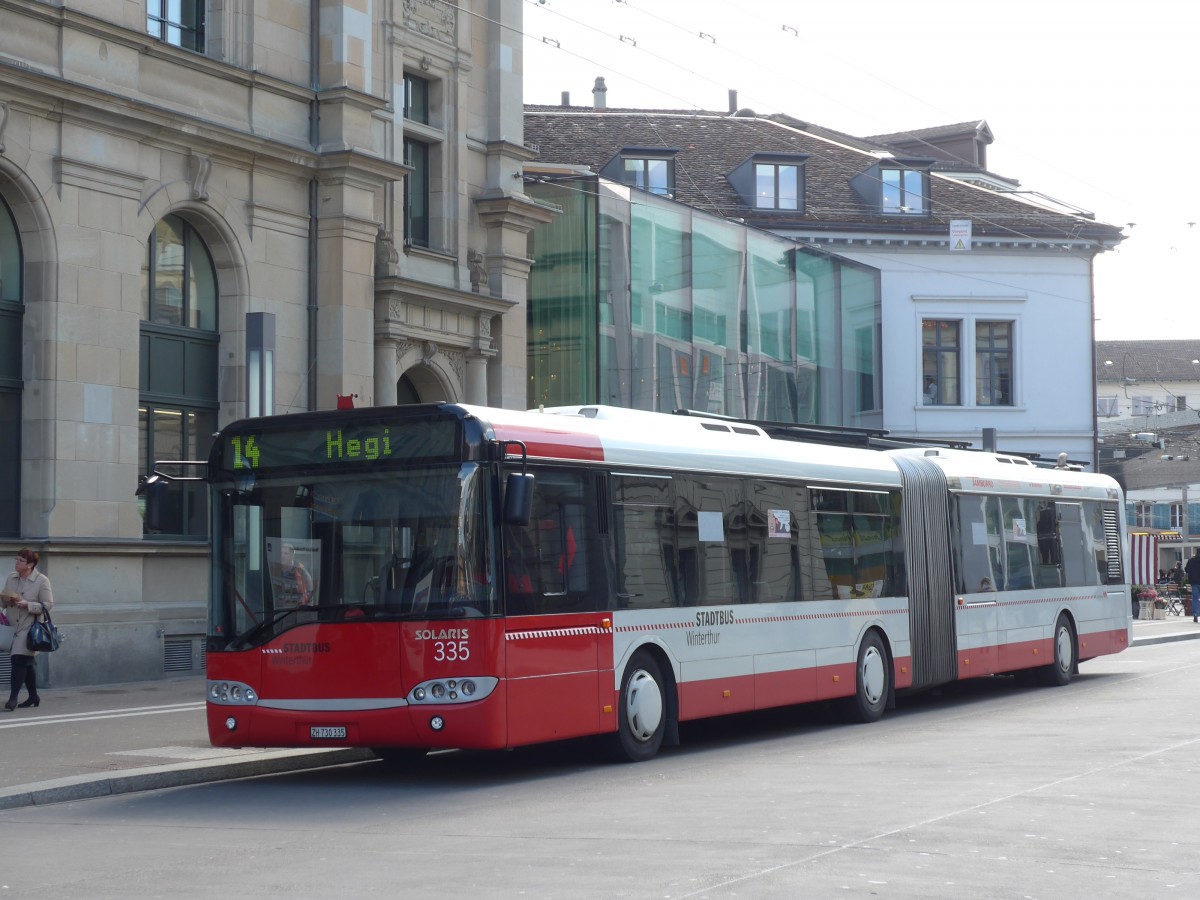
(266, 627)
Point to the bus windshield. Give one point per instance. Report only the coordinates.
(412, 543)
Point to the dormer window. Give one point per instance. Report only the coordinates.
(649, 169)
(650, 174)
(895, 187)
(903, 192)
(777, 185)
(771, 181)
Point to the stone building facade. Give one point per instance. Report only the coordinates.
(351, 169)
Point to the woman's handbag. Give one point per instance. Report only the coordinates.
(6, 637)
(43, 635)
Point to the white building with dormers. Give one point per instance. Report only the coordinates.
(987, 310)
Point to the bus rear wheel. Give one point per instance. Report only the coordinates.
(642, 714)
(1060, 671)
(873, 680)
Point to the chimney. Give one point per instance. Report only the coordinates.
(598, 92)
(566, 98)
(732, 102)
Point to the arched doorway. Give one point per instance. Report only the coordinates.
(180, 339)
(11, 362)
(421, 384)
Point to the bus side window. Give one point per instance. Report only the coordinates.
(779, 513)
(712, 539)
(1018, 563)
(554, 564)
(520, 569)
(650, 574)
(977, 544)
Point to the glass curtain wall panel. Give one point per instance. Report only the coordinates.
(770, 338)
(718, 294)
(660, 306)
(562, 310)
(612, 300)
(862, 345)
(641, 302)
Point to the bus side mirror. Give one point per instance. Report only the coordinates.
(518, 499)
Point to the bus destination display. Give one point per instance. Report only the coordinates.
(248, 450)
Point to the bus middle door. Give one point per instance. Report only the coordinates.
(553, 630)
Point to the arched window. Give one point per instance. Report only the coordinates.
(177, 412)
(11, 314)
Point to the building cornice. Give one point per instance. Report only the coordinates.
(512, 211)
(395, 289)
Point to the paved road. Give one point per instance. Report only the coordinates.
(983, 789)
(95, 741)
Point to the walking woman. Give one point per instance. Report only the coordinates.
(26, 595)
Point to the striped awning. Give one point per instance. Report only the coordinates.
(1143, 558)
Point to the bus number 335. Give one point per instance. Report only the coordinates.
(451, 651)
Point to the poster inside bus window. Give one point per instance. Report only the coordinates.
(247, 450)
(294, 571)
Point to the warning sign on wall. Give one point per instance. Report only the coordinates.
(960, 234)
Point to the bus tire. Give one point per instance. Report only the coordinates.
(1058, 673)
(872, 680)
(642, 713)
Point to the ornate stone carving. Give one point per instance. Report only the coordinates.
(432, 18)
(3, 122)
(199, 168)
(428, 351)
(479, 274)
(402, 349)
(458, 364)
(387, 257)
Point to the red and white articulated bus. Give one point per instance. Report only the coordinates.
(444, 576)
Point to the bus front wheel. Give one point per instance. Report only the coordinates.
(872, 680)
(642, 714)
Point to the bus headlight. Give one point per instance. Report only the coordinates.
(231, 693)
(453, 690)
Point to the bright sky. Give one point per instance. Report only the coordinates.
(1092, 102)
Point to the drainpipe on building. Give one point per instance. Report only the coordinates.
(1095, 392)
(314, 134)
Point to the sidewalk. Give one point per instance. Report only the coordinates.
(115, 739)
(1162, 631)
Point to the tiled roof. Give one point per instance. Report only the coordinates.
(1147, 361)
(711, 145)
(937, 131)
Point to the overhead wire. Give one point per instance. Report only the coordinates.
(949, 208)
(712, 37)
(739, 10)
(827, 211)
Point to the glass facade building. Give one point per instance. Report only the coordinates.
(638, 301)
